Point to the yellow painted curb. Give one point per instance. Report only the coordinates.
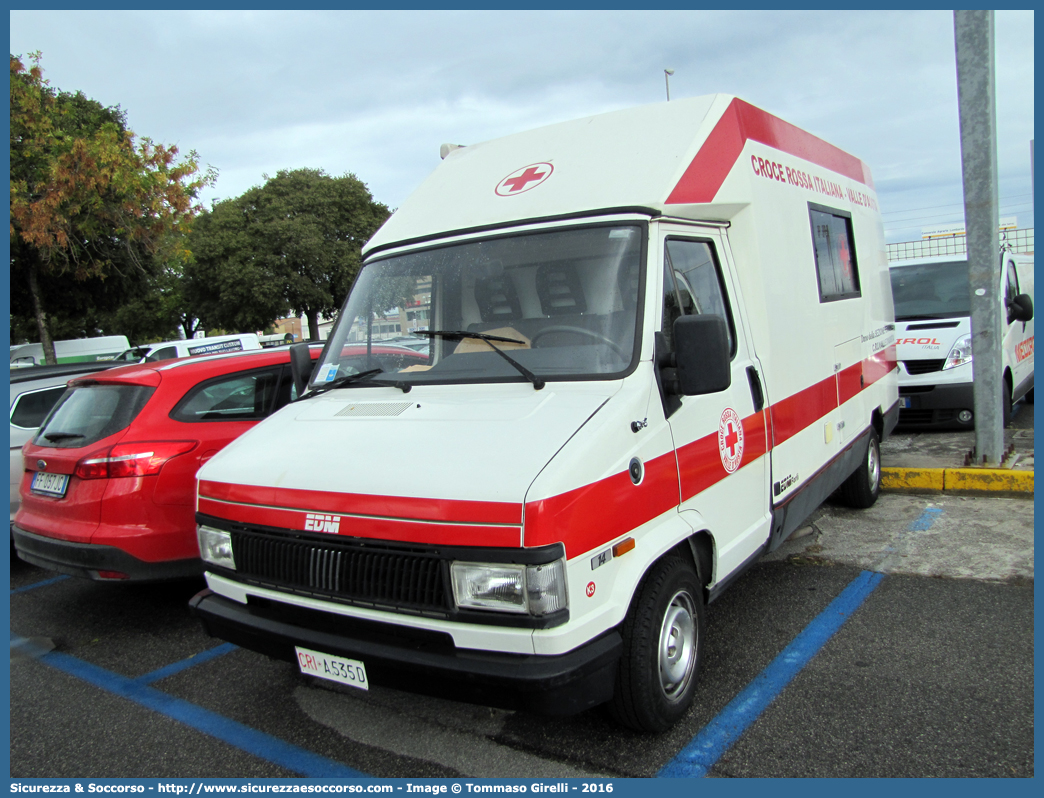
(957, 480)
(912, 479)
(993, 480)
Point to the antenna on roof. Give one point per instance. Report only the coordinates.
(446, 149)
(667, 79)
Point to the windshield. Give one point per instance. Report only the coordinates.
(559, 305)
(132, 355)
(931, 291)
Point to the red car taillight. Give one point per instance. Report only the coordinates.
(131, 459)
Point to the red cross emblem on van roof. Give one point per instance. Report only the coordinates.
(524, 179)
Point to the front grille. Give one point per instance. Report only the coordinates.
(350, 571)
(923, 366)
(920, 417)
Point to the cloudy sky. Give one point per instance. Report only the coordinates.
(376, 93)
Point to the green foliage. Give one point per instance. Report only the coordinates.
(291, 245)
(94, 213)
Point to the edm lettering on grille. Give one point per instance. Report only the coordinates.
(316, 522)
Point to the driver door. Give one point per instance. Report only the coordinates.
(720, 438)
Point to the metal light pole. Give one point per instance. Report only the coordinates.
(667, 79)
(976, 98)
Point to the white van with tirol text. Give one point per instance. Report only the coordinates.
(659, 339)
(934, 338)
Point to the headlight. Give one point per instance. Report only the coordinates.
(215, 547)
(532, 589)
(960, 354)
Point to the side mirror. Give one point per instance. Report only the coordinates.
(701, 353)
(1021, 309)
(301, 364)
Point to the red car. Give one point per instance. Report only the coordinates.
(108, 489)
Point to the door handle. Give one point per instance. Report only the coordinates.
(756, 393)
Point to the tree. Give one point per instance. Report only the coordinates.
(292, 244)
(93, 212)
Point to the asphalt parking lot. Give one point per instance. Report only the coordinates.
(928, 674)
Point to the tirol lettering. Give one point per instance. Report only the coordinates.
(316, 522)
(919, 341)
(1024, 350)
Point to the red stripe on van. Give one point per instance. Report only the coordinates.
(597, 513)
(699, 462)
(806, 407)
(594, 514)
(407, 508)
(850, 382)
(879, 365)
(743, 122)
(371, 528)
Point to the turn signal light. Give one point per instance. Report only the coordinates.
(131, 459)
(623, 547)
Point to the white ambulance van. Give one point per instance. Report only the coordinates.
(660, 338)
(934, 338)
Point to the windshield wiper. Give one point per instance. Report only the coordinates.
(340, 382)
(489, 339)
(62, 436)
(350, 379)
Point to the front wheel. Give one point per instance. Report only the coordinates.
(663, 646)
(861, 489)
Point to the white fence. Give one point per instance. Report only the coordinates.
(1018, 240)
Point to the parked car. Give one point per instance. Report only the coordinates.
(34, 391)
(108, 482)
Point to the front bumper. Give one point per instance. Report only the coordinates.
(86, 560)
(421, 661)
(936, 405)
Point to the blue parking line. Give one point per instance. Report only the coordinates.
(924, 521)
(252, 741)
(35, 585)
(706, 748)
(190, 662)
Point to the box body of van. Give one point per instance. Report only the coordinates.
(934, 338)
(659, 339)
(77, 350)
(190, 347)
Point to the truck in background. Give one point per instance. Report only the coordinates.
(934, 338)
(77, 350)
(660, 338)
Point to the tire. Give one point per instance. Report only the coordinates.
(1006, 407)
(663, 647)
(1029, 397)
(862, 488)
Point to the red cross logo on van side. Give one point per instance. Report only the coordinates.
(524, 179)
(730, 439)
